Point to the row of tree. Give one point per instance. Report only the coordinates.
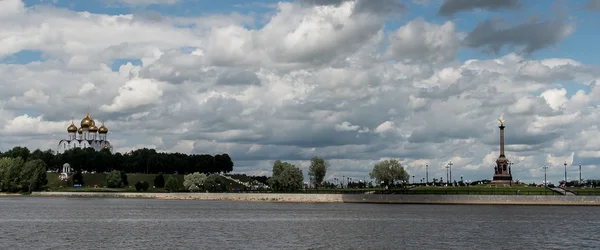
(288, 177)
(18, 175)
(137, 161)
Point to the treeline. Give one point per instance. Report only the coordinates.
(137, 161)
(17, 175)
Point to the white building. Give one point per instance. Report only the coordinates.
(87, 136)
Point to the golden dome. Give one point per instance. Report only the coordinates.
(103, 129)
(93, 128)
(72, 128)
(87, 121)
(80, 131)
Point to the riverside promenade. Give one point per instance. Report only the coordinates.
(558, 200)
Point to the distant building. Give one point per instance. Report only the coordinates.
(86, 136)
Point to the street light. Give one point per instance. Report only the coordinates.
(510, 172)
(426, 173)
(413, 180)
(565, 174)
(450, 165)
(545, 182)
(580, 180)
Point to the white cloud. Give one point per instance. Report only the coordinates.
(346, 126)
(27, 125)
(11, 7)
(134, 94)
(556, 98)
(293, 82)
(144, 2)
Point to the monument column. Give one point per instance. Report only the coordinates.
(502, 171)
(501, 139)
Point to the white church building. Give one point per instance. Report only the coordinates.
(86, 136)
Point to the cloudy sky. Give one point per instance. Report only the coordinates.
(353, 81)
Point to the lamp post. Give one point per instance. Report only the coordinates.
(450, 164)
(413, 180)
(580, 180)
(510, 171)
(426, 173)
(545, 182)
(565, 174)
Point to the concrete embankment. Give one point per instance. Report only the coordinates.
(354, 198)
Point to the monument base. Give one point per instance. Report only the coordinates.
(502, 180)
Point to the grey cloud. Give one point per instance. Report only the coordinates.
(593, 5)
(516, 133)
(176, 67)
(467, 82)
(151, 16)
(291, 115)
(451, 7)
(444, 130)
(242, 77)
(532, 35)
(365, 6)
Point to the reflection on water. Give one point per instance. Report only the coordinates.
(104, 223)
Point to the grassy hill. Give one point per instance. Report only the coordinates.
(90, 180)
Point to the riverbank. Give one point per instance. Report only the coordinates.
(352, 198)
(7, 194)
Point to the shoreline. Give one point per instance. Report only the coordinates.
(548, 200)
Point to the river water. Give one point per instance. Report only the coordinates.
(104, 223)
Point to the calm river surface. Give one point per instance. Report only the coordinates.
(103, 223)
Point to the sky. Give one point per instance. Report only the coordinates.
(352, 81)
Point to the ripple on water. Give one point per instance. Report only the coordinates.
(84, 223)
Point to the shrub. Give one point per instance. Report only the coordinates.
(113, 179)
(142, 186)
(159, 181)
(171, 185)
(214, 183)
(194, 182)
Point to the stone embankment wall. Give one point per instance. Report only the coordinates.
(354, 198)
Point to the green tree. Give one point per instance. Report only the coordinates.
(16, 152)
(10, 173)
(215, 183)
(124, 178)
(317, 171)
(171, 185)
(78, 178)
(33, 176)
(159, 181)
(286, 177)
(194, 182)
(113, 179)
(389, 171)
